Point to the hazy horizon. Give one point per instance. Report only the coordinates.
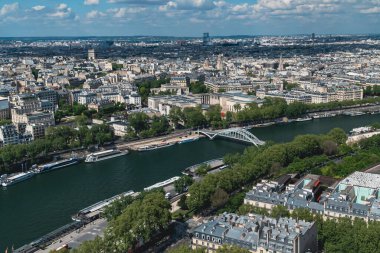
(186, 18)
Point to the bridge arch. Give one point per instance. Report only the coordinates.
(239, 134)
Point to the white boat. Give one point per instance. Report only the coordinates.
(353, 113)
(100, 205)
(162, 184)
(57, 165)
(188, 140)
(154, 147)
(19, 177)
(303, 119)
(104, 155)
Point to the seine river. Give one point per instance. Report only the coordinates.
(37, 206)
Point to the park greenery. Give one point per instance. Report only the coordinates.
(139, 221)
(224, 191)
(117, 66)
(223, 249)
(289, 86)
(78, 110)
(372, 90)
(255, 163)
(271, 109)
(141, 126)
(145, 87)
(182, 184)
(198, 87)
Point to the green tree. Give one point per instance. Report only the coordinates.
(81, 120)
(182, 184)
(231, 249)
(137, 222)
(182, 202)
(175, 116)
(194, 117)
(198, 87)
(202, 169)
(279, 211)
(338, 135)
(185, 249)
(219, 198)
(213, 115)
(139, 121)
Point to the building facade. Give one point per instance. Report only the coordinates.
(256, 233)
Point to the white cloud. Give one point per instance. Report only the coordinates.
(123, 12)
(140, 2)
(62, 6)
(8, 8)
(91, 2)
(62, 11)
(38, 7)
(372, 10)
(95, 14)
(189, 5)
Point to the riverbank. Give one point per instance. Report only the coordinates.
(51, 203)
(159, 141)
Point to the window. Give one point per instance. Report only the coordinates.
(196, 235)
(208, 238)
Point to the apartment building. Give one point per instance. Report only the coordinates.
(356, 196)
(164, 104)
(4, 108)
(256, 233)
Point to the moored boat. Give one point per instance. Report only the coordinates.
(154, 147)
(57, 165)
(16, 178)
(162, 184)
(303, 119)
(188, 140)
(104, 155)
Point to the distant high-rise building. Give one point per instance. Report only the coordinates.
(91, 54)
(281, 64)
(313, 36)
(206, 39)
(219, 63)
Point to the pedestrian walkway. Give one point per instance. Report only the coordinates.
(77, 237)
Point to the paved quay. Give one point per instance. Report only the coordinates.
(77, 237)
(173, 138)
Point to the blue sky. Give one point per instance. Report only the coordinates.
(186, 17)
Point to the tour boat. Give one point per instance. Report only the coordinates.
(104, 155)
(57, 165)
(16, 178)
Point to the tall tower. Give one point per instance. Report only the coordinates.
(91, 54)
(219, 63)
(281, 64)
(206, 39)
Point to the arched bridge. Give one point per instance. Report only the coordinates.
(239, 134)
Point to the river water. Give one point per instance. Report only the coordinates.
(37, 206)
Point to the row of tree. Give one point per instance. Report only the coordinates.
(272, 108)
(139, 220)
(145, 87)
(141, 126)
(56, 139)
(258, 162)
(81, 110)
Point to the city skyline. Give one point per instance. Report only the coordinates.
(187, 17)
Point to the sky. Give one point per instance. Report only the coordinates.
(26, 18)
